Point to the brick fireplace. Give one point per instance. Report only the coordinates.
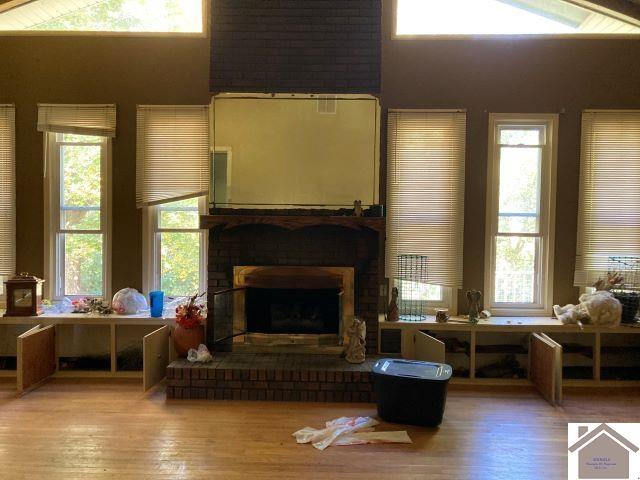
(293, 258)
(301, 242)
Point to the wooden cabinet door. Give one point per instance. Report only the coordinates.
(428, 348)
(36, 351)
(545, 367)
(155, 356)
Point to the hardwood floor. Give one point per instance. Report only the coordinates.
(106, 429)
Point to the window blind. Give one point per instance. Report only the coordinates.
(425, 192)
(7, 191)
(609, 202)
(97, 120)
(172, 153)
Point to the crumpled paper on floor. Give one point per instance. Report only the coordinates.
(201, 355)
(348, 431)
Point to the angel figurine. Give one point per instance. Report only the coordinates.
(392, 311)
(356, 348)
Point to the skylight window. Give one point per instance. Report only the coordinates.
(507, 17)
(143, 16)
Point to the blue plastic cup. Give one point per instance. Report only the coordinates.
(156, 299)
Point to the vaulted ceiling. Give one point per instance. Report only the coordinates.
(628, 7)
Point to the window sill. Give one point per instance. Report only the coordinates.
(520, 312)
(504, 324)
(86, 318)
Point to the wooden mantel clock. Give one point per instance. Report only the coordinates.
(24, 296)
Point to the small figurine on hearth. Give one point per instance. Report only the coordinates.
(357, 332)
(393, 314)
(357, 208)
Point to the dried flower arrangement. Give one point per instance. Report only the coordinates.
(613, 280)
(190, 314)
(91, 305)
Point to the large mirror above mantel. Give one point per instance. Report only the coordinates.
(294, 151)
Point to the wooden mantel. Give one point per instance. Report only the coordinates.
(292, 222)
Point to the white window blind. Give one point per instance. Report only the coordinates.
(7, 191)
(99, 120)
(172, 153)
(609, 205)
(425, 192)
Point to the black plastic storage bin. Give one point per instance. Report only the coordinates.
(411, 392)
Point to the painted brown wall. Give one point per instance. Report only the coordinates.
(508, 76)
(122, 70)
(479, 75)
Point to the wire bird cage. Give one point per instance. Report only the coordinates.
(627, 291)
(411, 281)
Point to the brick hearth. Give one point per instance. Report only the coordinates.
(282, 377)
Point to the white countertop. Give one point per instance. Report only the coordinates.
(85, 318)
(505, 324)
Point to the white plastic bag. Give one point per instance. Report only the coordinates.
(348, 431)
(129, 301)
(201, 355)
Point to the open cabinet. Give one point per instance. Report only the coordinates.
(156, 351)
(419, 345)
(36, 355)
(545, 367)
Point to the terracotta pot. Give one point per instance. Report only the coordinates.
(186, 338)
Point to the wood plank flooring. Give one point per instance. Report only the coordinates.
(71, 429)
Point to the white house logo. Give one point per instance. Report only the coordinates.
(604, 451)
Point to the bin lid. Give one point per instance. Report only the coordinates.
(413, 369)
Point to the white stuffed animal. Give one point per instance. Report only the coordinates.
(599, 308)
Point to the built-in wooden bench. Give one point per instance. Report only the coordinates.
(593, 355)
(34, 348)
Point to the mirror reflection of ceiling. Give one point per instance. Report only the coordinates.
(295, 150)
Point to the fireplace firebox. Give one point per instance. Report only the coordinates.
(282, 306)
(292, 310)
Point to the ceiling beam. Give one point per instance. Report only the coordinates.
(9, 4)
(629, 8)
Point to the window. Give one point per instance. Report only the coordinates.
(78, 198)
(609, 202)
(421, 296)
(520, 214)
(79, 179)
(7, 195)
(425, 202)
(143, 16)
(178, 251)
(509, 17)
(172, 185)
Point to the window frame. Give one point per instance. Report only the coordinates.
(548, 171)
(206, 15)
(151, 247)
(474, 36)
(54, 249)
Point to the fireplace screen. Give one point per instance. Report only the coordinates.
(292, 310)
